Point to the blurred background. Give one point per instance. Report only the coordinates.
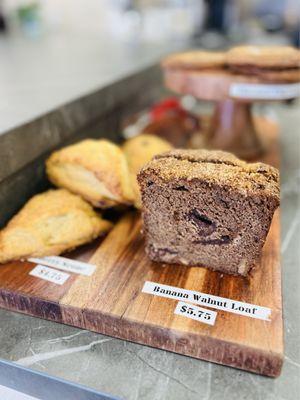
(52, 51)
(211, 23)
(55, 51)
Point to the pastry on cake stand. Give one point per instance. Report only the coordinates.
(232, 125)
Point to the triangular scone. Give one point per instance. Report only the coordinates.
(50, 224)
(138, 151)
(95, 169)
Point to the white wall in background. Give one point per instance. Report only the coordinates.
(154, 21)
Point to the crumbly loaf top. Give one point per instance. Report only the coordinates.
(195, 59)
(264, 56)
(216, 167)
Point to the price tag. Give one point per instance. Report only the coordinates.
(65, 264)
(195, 312)
(264, 91)
(207, 300)
(49, 274)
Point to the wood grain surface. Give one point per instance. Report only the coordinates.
(111, 301)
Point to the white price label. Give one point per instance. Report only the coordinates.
(49, 274)
(207, 300)
(264, 92)
(65, 264)
(196, 313)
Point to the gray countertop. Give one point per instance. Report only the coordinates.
(132, 371)
(38, 75)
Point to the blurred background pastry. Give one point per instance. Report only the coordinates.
(271, 63)
(195, 60)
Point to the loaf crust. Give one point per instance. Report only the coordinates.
(50, 224)
(220, 168)
(95, 169)
(207, 208)
(138, 151)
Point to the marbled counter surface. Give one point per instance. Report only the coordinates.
(132, 371)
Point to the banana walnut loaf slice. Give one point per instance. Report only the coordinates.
(207, 208)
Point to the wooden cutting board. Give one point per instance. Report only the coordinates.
(111, 301)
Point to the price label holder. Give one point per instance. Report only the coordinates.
(194, 312)
(264, 91)
(49, 274)
(65, 264)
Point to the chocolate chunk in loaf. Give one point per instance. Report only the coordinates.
(207, 208)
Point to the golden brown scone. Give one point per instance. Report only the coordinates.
(195, 59)
(50, 224)
(95, 169)
(264, 56)
(138, 151)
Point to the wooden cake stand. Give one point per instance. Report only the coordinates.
(232, 125)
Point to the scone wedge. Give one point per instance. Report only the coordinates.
(50, 224)
(95, 169)
(138, 151)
